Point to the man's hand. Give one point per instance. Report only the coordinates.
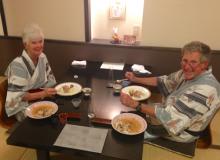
(130, 76)
(128, 101)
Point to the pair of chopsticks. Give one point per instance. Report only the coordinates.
(121, 80)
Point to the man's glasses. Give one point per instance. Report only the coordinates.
(192, 64)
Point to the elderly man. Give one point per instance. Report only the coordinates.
(191, 96)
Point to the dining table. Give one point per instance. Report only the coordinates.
(41, 134)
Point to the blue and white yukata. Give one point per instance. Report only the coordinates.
(23, 76)
(189, 105)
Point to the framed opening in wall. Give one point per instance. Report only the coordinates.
(125, 15)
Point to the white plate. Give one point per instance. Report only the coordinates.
(142, 93)
(77, 88)
(41, 110)
(129, 124)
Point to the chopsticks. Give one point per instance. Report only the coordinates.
(121, 80)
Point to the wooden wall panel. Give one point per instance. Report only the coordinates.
(61, 54)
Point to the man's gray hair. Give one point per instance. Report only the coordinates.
(32, 32)
(197, 46)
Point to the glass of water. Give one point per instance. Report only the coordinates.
(76, 102)
(91, 113)
(110, 78)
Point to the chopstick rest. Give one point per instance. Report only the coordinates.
(101, 121)
(63, 117)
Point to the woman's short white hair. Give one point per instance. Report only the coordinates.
(32, 32)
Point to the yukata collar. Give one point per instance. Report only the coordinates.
(27, 57)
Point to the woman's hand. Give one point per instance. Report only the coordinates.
(45, 92)
(128, 101)
(48, 92)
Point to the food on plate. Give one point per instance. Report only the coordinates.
(128, 125)
(66, 89)
(135, 93)
(43, 110)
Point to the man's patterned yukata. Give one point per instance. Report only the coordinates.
(190, 104)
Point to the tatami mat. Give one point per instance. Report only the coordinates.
(8, 152)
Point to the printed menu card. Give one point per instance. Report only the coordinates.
(113, 66)
(82, 138)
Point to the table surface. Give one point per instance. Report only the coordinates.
(41, 134)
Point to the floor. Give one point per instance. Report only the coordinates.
(8, 152)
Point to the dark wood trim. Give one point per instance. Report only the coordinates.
(162, 60)
(3, 19)
(65, 42)
(87, 20)
(10, 37)
(107, 45)
(214, 146)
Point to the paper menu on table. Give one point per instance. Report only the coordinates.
(82, 138)
(113, 66)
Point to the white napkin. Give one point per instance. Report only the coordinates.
(79, 63)
(139, 68)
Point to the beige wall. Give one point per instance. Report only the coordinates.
(60, 19)
(169, 23)
(172, 23)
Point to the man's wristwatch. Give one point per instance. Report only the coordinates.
(138, 108)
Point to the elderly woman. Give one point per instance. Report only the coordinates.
(29, 76)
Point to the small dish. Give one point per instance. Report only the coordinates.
(117, 87)
(87, 91)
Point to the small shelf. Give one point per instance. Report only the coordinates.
(108, 42)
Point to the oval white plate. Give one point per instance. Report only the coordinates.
(145, 93)
(41, 110)
(77, 88)
(129, 124)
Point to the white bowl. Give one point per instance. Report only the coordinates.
(129, 124)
